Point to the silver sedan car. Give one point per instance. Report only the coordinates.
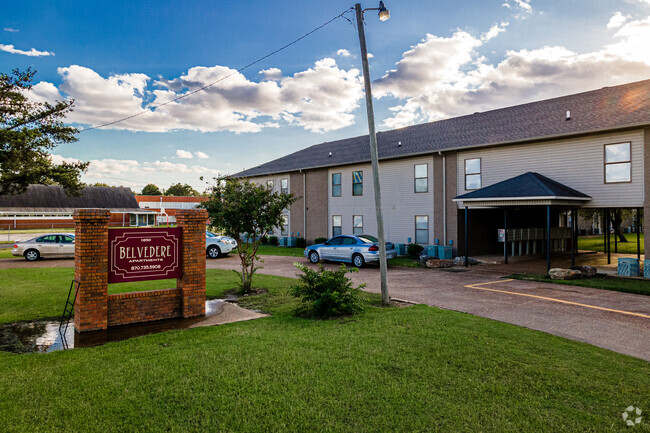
(355, 249)
(50, 245)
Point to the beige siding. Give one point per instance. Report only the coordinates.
(400, 203)
(276, 178)
(577, 163)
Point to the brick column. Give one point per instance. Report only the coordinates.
(91, 269)
(192, 283)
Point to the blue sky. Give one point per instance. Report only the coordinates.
(431, 60)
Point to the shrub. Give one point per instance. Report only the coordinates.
(320, 240)
(264, 240)
(327, 293)
(273, 240)
(414, 250)
(301, 243)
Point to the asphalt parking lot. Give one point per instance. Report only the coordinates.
(612, 320)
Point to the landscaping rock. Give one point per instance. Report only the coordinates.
(424, 259)
(460, 261)
(586, 270)
(564, 274)
(439, 263)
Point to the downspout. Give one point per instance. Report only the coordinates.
(304, 205)
(444, 200)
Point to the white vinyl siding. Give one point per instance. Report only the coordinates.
(577, 163)
(277, 183)
(400, 202)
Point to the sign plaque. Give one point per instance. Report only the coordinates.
(144, 254)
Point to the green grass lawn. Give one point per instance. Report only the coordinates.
(270, 250)
(626, 285)
(5, 253)
(387, 369)
(598, 244)
(405, 261)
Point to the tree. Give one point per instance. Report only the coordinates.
(178, 189)
(99, 184)
(247, 212)
(28, 130)
(151, 189)
(616, 217)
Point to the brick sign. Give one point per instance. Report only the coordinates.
(144, 254)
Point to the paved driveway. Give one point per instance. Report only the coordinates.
(613, 320)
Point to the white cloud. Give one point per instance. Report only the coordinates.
(494, 31)
(31, 53)
(370, 55)
(201, 155)
(617, 20)
(522, 8)
(184, 154)
(273, 74)
(10, 29)
(442, 77)
(319, 99)
(343, 53)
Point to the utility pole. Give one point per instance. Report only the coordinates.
(374, 157)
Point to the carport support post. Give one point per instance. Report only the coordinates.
(608, 240)
(638, 236)
(548, 238)
(505, 235)
(466, 240)
(573, 237)
(615, 237)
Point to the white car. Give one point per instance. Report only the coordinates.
(50, 245)
(218, 246)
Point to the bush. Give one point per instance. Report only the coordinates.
(327, 293)
(414, 250)
(320, 240)
(264, 240)
(273, 240)
(301, 243)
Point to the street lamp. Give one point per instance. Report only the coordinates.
(384, 14)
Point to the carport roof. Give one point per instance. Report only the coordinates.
(526, 189)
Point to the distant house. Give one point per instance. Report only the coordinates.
(47, 206)
(167, 205)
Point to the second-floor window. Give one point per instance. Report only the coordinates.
(336, 184)
(421, 178)
(357, 183)
(284, 186)
(472, 174)
(618, 163)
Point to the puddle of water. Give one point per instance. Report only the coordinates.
(43, 336)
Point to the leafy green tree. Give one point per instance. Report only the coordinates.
(99, 184)
(180, 190)
(245, 210)
(28, 130)
(616, 217)
(151, 189)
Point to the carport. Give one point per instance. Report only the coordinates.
(534, 193)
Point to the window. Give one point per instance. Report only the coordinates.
(348, 241)
(67, 239)
(421, 229)
(357, 225)
(336, 225)
(50, 238)
(134, 219)
(357, 183)
(421, 178)
(618, 163)
(472, 174)
(269, 184)
(285, 225)
(284, 186)
(336, 184)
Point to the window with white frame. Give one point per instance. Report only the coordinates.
(284, 230)
(421, 229)
(357, 183)
(618, 163)
(337, 222)
(421, 178)
(357, 224)
(284, 186)
(336, 184)
(269, 184)
(472, 174)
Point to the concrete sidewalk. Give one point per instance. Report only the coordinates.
(612, 320)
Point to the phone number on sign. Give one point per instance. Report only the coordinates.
(145, 267)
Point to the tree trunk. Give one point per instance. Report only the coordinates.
(616, 224)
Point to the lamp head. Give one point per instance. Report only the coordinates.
(384, 14)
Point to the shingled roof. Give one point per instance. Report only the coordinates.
(607, 109)
(528, 185)
(43, 197)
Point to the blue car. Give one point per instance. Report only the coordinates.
(354, 249)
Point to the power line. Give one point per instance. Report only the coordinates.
(155, 107)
